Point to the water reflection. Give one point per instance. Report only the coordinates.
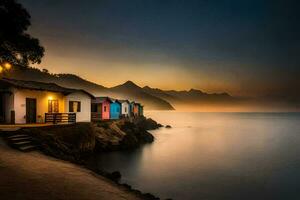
(216, 156)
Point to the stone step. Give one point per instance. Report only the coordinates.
(20, 138)
(22, 143)
(28, 148)
(17, 135)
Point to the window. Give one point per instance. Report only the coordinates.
(104, 108)
(125, 109)
(53, 106)
(74, 106)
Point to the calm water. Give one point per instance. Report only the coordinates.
(216, 156)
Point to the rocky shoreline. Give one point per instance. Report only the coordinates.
(78, 143)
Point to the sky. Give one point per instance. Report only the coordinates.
(246, 48)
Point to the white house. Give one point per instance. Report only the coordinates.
(125, 108)
(37, 102)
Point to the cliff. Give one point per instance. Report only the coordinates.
(77, 142)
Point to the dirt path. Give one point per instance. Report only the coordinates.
(35, 176)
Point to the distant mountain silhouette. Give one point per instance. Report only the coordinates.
(130, 90)
(193, 96)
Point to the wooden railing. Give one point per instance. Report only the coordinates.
(96, 116)
(60, 118)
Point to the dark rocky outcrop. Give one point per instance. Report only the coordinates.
(74, 142)
(136, 135)
(147, 123)
(115, 176)
(124, 134)
(77, 142)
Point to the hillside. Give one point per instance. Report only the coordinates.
(129, 90)
(192, 96)
(65, 80)
(72, 81)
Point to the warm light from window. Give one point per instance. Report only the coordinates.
(50, 98)
(1, 68)
(7, 65)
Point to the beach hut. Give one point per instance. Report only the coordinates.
(101, 108)
(125, 108)
(115, 109)
(131, 113)
(30, 102)
(141, 110)
(136, 109)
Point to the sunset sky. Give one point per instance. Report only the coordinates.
(248, 47)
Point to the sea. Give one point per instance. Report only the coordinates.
(215, 156)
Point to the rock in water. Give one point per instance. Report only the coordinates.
(146, 123)
(115, 176)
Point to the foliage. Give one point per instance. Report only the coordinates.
(17, 46)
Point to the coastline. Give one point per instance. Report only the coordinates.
(102, 137)
(36, 176)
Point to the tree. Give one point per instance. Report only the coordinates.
(17, 46)
(45, 71)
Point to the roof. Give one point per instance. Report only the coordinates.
(35, 85)
(139, 104)
(124, 101)
(102, 99)
(116, 101)
(112, 100)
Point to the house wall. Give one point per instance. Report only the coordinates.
(131, 109)
(7, 104)
(141, 110)
(125, 109)
(115, 110)
(99, 109)
(42, 97)
(85, 103)
(8, 100)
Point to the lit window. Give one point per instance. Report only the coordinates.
(53, 106)
(74, 106)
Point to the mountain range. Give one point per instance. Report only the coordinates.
(152, 98)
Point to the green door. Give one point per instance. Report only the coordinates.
(30, 110)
